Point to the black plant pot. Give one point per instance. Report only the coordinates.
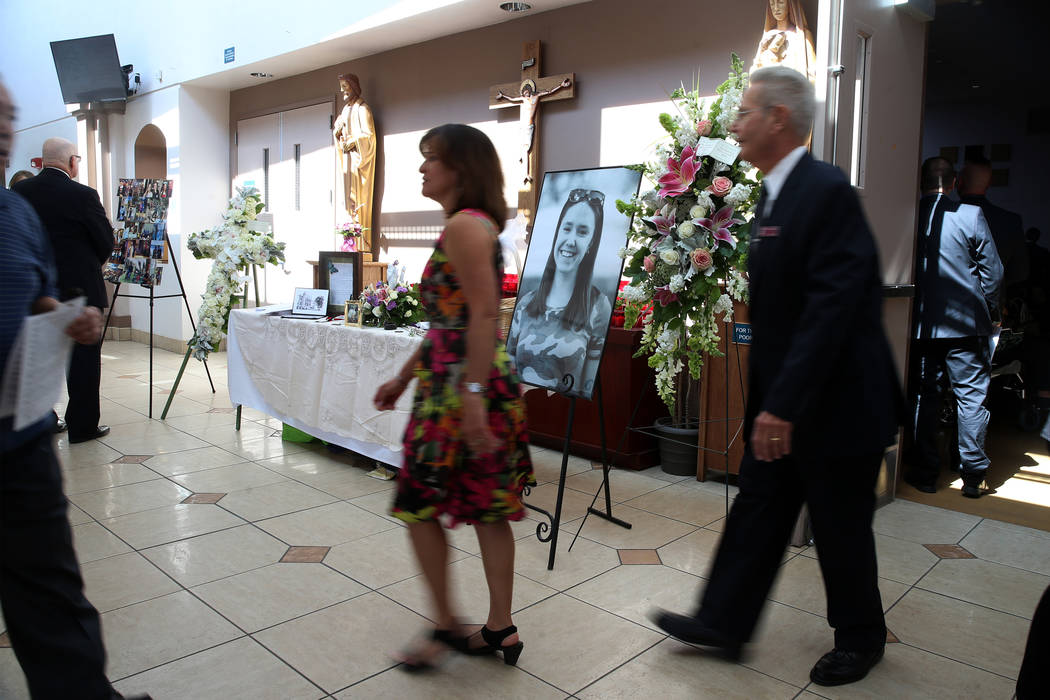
(389, 326)
(678, 447)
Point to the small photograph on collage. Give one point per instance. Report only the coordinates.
(112, 272)
(136, 270)
(153, 274)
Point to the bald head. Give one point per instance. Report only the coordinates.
(58, 153)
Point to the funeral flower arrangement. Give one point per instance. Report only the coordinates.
(392, 303)
(233, 245)
(687, 252)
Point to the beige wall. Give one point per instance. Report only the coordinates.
(616, 63)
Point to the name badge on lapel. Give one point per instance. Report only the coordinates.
(768, 231)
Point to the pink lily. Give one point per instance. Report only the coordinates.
(680, 175)
(663, 224)
(719, 224)
(665, 296)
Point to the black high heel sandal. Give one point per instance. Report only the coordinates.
(451, 640)
(494, 643)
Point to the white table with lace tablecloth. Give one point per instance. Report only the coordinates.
(321, 377)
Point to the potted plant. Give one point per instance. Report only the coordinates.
(687, 253)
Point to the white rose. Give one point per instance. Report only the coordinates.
(686, 228)
(377, 312)
(669, 256)
(697, 212)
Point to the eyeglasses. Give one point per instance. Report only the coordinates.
(579, 195)
(744, 112)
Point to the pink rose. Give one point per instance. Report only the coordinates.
(701, 259)
(720, 186)
(649, 263)
(703, 127)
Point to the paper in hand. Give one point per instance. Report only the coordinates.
(36, 367)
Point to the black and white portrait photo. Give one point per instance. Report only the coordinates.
(571, 276)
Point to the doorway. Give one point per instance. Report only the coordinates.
(288, 157)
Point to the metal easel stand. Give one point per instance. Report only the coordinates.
(549, 532)
(152, 297)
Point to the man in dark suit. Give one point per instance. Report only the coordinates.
(1006, 227)
(957, 277)
(823, 396)
(82, 239)
(53, 628)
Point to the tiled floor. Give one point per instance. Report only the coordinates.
(184, 529)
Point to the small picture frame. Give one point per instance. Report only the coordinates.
(340, 273)
(352, 313)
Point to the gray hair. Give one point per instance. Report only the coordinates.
(786, 86)
(58, 151)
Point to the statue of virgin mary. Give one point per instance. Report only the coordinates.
(786, 40)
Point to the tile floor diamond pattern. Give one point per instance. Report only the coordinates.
(283, 576)
(639, 556)
(204, 498)
(305, 555)
(949, 551)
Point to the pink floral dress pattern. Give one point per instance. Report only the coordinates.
(440, 476)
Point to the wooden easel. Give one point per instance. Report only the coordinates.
(530, 71)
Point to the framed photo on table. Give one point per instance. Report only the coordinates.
(340, 273)
(352, 313)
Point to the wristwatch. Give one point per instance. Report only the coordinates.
(474, 387)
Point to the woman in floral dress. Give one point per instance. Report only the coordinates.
(465, 452)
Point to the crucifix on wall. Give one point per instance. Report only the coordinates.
(527, 96)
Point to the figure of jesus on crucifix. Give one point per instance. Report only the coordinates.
(530, 102)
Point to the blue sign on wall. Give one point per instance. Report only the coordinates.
(227, 55)
(742, 333)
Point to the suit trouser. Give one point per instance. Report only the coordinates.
(840, 493)
(82, 383)
(53, 628)
(1033, 681)
(966, 364)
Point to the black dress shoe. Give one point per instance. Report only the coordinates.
(840, 666)
(100, 431)
(693, 631)
(60, 426)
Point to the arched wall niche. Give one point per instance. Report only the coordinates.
(151, 153)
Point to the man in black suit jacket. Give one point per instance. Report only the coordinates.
(1006, 226)
(82, 239)
(823, 397)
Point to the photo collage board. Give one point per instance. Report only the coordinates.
(140, 247)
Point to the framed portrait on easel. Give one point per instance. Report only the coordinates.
(571, 276)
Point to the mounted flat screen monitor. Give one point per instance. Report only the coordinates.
(89, 69)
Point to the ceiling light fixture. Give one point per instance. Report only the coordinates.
(515, 6)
